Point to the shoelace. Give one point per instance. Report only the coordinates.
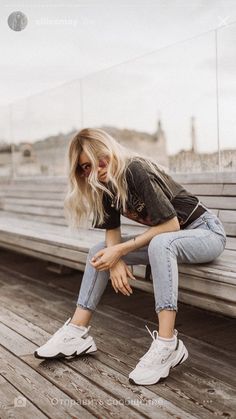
(154, 350)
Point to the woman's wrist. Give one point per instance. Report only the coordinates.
(127, 246)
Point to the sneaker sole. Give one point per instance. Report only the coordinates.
(182, 359)
(61, 355)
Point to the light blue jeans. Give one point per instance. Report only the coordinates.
(202, 241)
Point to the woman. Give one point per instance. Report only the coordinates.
(107, 180)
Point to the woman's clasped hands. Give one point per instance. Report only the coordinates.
(106, 258)
(110, 258)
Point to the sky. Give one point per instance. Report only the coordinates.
(76, 64)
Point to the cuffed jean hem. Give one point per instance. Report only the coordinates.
(85, 307)
(166, 307)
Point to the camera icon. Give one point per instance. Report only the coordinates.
(19, 401)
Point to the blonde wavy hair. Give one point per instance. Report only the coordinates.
(85, 194)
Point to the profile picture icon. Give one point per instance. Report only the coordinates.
(17, 21)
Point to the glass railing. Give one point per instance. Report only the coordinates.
(175, 105)
(226, 97)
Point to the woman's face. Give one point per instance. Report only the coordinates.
(86, 166)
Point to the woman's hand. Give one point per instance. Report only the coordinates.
(106, 258)
(118, 276)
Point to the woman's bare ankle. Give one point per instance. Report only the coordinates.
(81, 317)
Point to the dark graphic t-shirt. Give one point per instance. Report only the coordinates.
(152, 199)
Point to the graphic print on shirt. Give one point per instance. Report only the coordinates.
(136, 210)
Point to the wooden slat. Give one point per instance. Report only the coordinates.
(231, 243)
(205, 177)
(229, 190)
(205, 189)
(203, 300)
(68, 247)
(32, 384)
(15, 193)
(86, 385)
(228, 216)
(128, 226)
(28, 202)
(58, 235)
(198, 177)
(11, 398)
(50, 220)
(80, 387)
(77, 260)
(41, 186)
(219, 202)
(230, 229)
(55, 212)
(56, 249)
(62, 236)
(115, 340)
(79, 244)
(44, 256)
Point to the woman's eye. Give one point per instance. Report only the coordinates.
(87, 166)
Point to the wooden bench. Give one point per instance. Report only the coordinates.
(32, 222)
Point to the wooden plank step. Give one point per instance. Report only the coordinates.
(71, 382)
(56, 212)
(33, 225)
(88, 385)
(30, 383)
(231, 243)
(228, 216)
(12, 401)
(173, 381)
(218, 189)
(201, 285)
(69, 248)
(45, 256)
(229, 190)
(126, 228)
(15, 193)
(112, 359)
(28, 202)
(230, 229)
(34, 217)
(198, 177)
(205, 189)
(219, 202)
(80, 242)
(34, 288)
(205, 177)
(65, 238)
(47, 187)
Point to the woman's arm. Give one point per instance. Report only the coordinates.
(113, 236)
(145, 238)
(120, 272)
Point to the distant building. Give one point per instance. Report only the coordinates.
(149, 145)
(188, 161)
(193, 135)
(50, 156)
(192, 161)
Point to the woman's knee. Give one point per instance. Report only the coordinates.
(159, 244)
(98, 246)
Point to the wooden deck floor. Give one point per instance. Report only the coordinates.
(35, 302)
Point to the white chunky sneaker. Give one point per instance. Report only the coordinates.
(66, 342)
(158, 360)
